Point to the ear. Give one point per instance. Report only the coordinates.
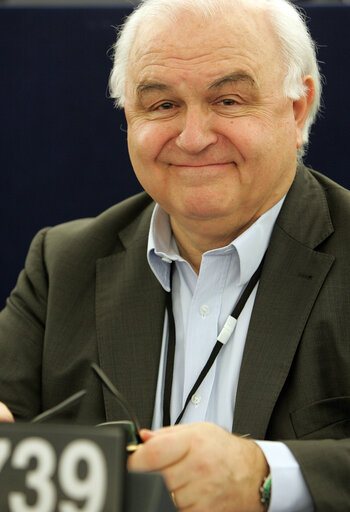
(301, 107)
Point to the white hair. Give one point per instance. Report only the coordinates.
(297, 47)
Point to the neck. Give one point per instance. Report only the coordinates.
(194, 241)
(194, 237)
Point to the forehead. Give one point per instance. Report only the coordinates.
(201, 48)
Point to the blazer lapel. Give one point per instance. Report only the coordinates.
(130, 306)
(292, 277)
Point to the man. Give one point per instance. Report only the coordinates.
(219, 97)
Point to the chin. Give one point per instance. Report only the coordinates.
(204, 203)
(204, 211)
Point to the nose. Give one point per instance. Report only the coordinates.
(196, 133)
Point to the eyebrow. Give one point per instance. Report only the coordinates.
(231, 78)
(151, 86)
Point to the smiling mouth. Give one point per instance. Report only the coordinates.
(202, 166)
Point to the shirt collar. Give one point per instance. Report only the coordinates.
(162, 249)
(250, 246)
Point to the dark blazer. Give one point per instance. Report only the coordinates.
(87, 294)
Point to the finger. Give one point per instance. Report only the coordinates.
(159, 452)
(175, 428)
(5, 414)
(192, 497)
(183, 500)
(146, 434)
(169, 445)
(176, 475)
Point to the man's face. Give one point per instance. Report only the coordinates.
(211, 135)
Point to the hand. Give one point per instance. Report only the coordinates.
(5, 414)
(205, 467)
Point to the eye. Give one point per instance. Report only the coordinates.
(167, 105)
(227, 102)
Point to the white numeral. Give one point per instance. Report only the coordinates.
(38, 479)
(92, 488)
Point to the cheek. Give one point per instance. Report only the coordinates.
(145, 142)
(257, 138)
(248, 136)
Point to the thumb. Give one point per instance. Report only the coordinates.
(146, 434)
(5, 414)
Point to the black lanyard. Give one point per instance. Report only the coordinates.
(221, 340)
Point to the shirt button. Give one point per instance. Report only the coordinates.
(196, 399)
(204, 310)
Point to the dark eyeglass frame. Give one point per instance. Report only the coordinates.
(131, 426)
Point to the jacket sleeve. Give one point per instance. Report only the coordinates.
(22, 325)
(325, 465)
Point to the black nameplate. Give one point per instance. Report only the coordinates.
(49, 468)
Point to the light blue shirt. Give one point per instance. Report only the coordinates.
(201, 305)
